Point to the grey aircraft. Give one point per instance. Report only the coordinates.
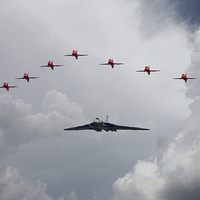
(98, 126)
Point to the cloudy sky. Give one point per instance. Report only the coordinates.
(38, 160)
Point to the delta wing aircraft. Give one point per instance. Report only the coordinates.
(112, 63)
(98, 126)
(148, 70)
(75, 54)
(27, 77)
(184, 77)
(50, 64)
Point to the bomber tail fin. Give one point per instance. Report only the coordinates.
(106, 118)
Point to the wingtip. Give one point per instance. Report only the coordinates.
(144, 129)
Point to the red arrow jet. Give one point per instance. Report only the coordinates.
(5, 85)
(184, 77)
(75, 54)
(111, 62)
(148, 70)
(50, 64)
(27, 77)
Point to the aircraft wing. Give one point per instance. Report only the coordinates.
(77, 128)
(45, 66)
(118, 127)
(104, 64)
(33, 77)
(191, 78)
(82, 55)
(118, 63)
(68, 55)
(13, 86)
(140, 71)
(20, 78)
(154, 70)
(106, 127)
(177, 78)
(57, 65)
(114, 127)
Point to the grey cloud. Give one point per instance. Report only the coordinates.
(176, 190)
(72, 196)
(156, 16)
(56, 101)
(188, 11)
(194, 71)
(177, 175)
(139, 183)
(162, 141)
(19, 126)
(14, 187)
(33, 33)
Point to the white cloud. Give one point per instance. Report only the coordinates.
(177, 175)
(141, 183)
(14, 187)
(194, 71)
(19, 126)
(73, 196)
(56, 101)
(136, 33)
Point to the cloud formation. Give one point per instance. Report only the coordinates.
(177, 175)
(13, 187)
(135, 32)
(19, 127)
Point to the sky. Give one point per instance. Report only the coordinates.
(38, 160)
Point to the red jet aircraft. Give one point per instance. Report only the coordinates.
(184, 77)
(27, 77)
(5, 85)
(75, 54)
(110, 62)
(148, 70)
(50, 64)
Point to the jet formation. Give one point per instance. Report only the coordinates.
(96, 125)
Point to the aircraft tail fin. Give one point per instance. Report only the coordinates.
(106, 118)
